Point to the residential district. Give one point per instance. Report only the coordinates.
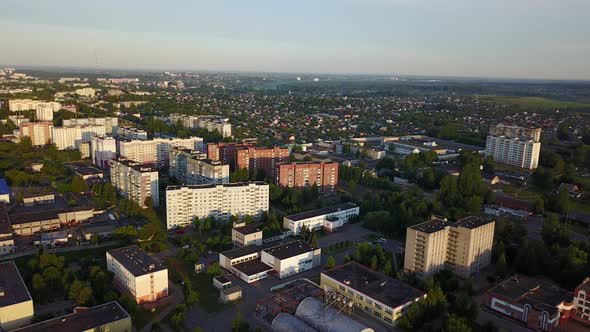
(225, 202)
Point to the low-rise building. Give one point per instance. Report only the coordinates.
(37, 198)
(329, 218)
(246, 235)
(16, 303)
(230, 294)
(581, 303)
(52, 239)
(109, 317)
(6, 232)
(384, 298)
(138, 274)
(291, 258)
(136, 182)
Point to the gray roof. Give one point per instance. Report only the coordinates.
(322, 211)
(137, 261)
(11, 282)
(290, 249)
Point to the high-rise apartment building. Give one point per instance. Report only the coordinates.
(306, 174)
(184, 203)
(225, 152)
(44, 112)
(111, 124)
(70, 137)
(102, 150)
(127, 132)
(135, 182)
(261, 159)
(16, 105)
(39, 132)
(157, 150)
(210, 122)
(465, 246)
(192, 167)
(514, 146)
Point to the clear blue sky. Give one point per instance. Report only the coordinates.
(499, 38)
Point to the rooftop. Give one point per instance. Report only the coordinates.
(12, 285)
(242, 251)
(231, 290)
(252, 267)
(431, 226)
(22, 218)
(540, 294)
(135, 165)
(222, 279)
(290, 249)
(472, 222)
(322, 211)
(247, 229)
(136, 260)
(379, 287)
(225, 185)
(82, 319)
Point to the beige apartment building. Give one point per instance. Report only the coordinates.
(157, 150)
(465, 246)
(192, 167)
(135, 182)
(39, 132)
(515, 146)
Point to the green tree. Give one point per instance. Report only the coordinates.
(78, 185)
(330, 263)
(456, 324)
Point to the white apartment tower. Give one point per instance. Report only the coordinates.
(102, 150)
(192, 167)
(184, 203)
(70, 137)
(111, 124)
(136, 182)
(156, 151)
(514, 146)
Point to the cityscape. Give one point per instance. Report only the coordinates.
(277, 193)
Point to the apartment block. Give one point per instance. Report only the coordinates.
(329, 218)
(39, 132)
(305, 174)
(138, 274)
(261, 159)
(16, 105)
(126, 132)
(225, 152)
(192, 167)
(111, 124)
(135, 182)
(44, 112)
(185, 203)
(211, 123)
(102, 150)
(16, 303)
(70, 137)
(515, 146)
(157, 150)
(465, 246)
(383, 298)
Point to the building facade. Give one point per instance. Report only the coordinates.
(383, 298)
(191, 167)
(126, 132)
(39, 132)
(246, 235)
(329, 218)
(111, 124)
(102, 150)
(515, 146)
(225, 152)
(156, 151)
(185, 203)
(581, 303)
(17, 105)
(211, 123)
(138, 274)
(135, 182)
(67, 138)
(261, 159)
(291, 258)
(465, 247)
(306, 174)
(44, 112)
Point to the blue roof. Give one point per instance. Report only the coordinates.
(3, 187)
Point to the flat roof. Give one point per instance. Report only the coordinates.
(290, 249)
(37, 216)
(213, 185)
(241, 251)
(82, 319)
(247, 229)
(11, 282)
(222, 279)
(231, 290)
(472, 222)
(136, 260)
(136, 166)
(322, 211)
(431, 226)
(379, 287)
(252, 267)
(539, 293)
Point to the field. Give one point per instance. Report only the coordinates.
(536, 103)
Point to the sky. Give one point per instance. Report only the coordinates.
(547, 39)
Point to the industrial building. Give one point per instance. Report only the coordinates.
(136, 182)
(16, 303)
(145, 279)
(306, 174)
(515, 146)
(465, 246)
(329, 218)
(221, 201)
(191, 167)
(109, 317)
(376, 294)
